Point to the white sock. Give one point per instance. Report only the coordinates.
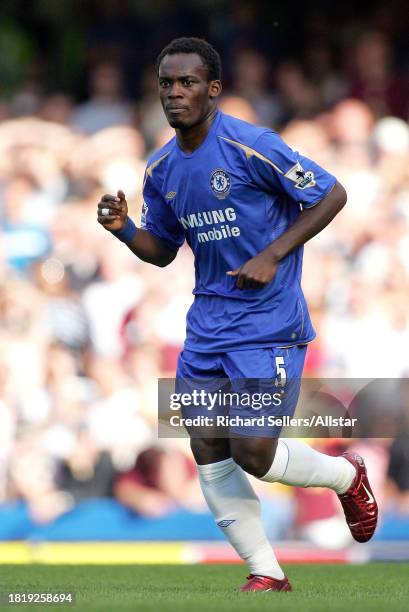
(295, 463)
(236, 509)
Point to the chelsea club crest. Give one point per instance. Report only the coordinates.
(220, 183)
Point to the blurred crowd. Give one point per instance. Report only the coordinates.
(86, 329)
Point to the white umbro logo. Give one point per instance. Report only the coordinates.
(170, 195)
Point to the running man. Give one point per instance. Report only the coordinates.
(246, 203)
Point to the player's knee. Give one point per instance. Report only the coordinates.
(253, 455)
(209, 450)
(254, 465)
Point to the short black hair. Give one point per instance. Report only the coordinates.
(201, 47)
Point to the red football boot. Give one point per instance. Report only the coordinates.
(360, 507)
(264, 583)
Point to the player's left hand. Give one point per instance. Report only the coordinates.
(256, 273)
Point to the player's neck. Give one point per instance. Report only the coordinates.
(189, 140)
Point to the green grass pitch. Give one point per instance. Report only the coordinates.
(327, 588)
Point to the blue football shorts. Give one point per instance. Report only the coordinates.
(242, 393)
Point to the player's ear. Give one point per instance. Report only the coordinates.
(215, 89)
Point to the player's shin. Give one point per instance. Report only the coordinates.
(236, 509)
(296, 463)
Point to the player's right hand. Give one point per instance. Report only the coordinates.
(118, 211)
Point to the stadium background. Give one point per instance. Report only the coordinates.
(86, 329)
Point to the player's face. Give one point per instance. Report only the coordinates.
(186, 95)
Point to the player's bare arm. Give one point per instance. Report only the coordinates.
(261, 269)
(143, 244)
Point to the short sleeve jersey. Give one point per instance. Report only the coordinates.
(229, 199)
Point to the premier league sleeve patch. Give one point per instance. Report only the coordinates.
(145, 209)
(220, 183)
(302, 179)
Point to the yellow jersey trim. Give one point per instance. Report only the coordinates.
(252, 152)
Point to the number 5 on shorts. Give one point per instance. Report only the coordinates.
(281, 373)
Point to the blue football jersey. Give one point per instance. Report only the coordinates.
(230, 198)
